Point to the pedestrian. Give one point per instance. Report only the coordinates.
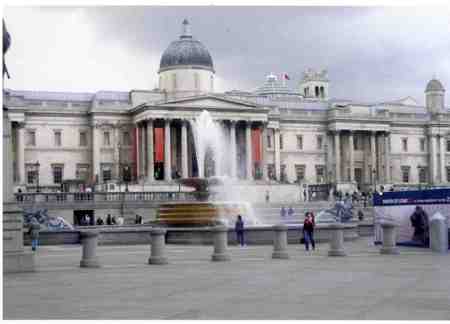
(120, 220)
(137, 219)
(108, 220)
(239, 227)
(267, 196)
(305, 195)
(87, 220)
(283, 212)
(100, 221)
(113, 220)
(19, 195)
(35, 228)
(308, 231)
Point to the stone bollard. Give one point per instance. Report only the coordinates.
(157, 246)
(89, 240)
(389, 242)
(220, 238)
(280, 242)
(336, 240)
(438, 233)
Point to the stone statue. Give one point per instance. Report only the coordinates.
(48, 222)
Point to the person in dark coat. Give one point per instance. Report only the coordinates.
(308, 232)
(290, 212)
(283, 212)
(100, 221)
(239, 228)
(108, 220)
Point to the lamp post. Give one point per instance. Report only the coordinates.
(374, 180)
(126, 176)
(37, 165)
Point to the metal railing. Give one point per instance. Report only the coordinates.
(75, 197)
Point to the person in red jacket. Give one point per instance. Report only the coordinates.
(308, 231)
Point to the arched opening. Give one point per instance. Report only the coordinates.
(322, 92)
(317, 92)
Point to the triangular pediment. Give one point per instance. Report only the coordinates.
(209, 102)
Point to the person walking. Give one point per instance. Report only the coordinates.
(239, 228)
(283, 212)
(108, 220)
(308, 232)
(267, 197)
(100, 221)
(290, 212)
(35, 228)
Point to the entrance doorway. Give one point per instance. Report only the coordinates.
(358, 176)
(78, 216)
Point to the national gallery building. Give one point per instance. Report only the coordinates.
(273, 134)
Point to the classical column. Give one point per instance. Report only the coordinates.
(116, 151)
(184, 150)
(277, 153)
(248, 150)
(96, 152)
(150, 152)
(373, 156)
(264, 153)
(351, 158)
(138, 154)
(21, 152)
(337, 152)
(442, 159)
(380, 152)
(432, 165)
(329, 157)
(167, 147)
(387, 158)
(8, 195)
(142, 155)
(233, 156)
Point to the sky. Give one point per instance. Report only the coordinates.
(370, 53)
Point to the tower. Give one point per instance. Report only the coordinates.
(434, 96)
(314, 84)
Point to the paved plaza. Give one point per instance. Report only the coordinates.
(363, 285)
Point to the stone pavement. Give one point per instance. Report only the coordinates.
(363, 285)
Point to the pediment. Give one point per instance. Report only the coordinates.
(209, 102)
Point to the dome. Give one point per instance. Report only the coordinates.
(273, 87)
(186, 51)
(434, 85)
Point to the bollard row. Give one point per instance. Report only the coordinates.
(89, 241)
(389, 241)
(280, 242)
(336, 240)
(220, 237)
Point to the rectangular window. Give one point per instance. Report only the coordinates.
(405, 174)
(300, 172)
(57, 135)
(320, 173)
(281, 141)
(405, 144)
(106, 172)
(283, 174)
(57, 171)
(422, 145)
(422, 171)
(126, 138)
(269, 141)
(299, 142)
(83, 139)
(82, 172)
(319, 142)
(106, 139)
(448, 145)
(31, 173)
(31, 138)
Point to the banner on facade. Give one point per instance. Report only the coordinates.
(256, 145)
(411, 211)
(159, 144)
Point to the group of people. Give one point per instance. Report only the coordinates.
(286, 212)
(308, 230)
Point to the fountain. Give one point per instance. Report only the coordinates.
(215, 202)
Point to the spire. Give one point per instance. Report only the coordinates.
(186, 29)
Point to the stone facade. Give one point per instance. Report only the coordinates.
(304, 137)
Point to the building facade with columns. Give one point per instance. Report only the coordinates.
(272, 134)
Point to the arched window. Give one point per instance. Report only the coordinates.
(322, 92)
(317, 92)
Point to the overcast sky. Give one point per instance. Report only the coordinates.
(371, 53)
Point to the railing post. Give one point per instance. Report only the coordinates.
(388, 246)
(89, 240)
(220, 237)
(336, 240)
(157, 247)
(280, 242)
(439, 233)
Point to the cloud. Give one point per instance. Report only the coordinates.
(372, 53)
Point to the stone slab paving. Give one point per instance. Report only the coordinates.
(363, 285)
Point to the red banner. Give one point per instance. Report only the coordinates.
(256, 145)
(134, 151)
(159, 144)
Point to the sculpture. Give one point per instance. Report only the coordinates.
(50, 223)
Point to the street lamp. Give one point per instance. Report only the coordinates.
(126, 176)
(37, 165)
(374, 180)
